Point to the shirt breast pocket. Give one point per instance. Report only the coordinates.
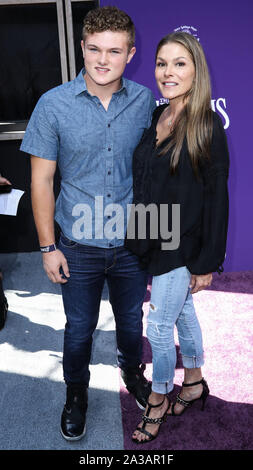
(129, 132)
(80, 140)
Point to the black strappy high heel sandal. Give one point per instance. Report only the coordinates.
(187, 404)
(147, 420)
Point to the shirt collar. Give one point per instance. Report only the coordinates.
(80, 84)
(124, 86)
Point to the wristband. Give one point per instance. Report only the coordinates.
(47, 249)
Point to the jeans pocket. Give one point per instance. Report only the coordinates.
(65, 241)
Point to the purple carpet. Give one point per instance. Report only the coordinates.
(225, 314)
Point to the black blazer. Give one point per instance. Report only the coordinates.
(203, 203)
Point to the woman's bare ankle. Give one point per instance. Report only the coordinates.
(192, 375)
(156, 398)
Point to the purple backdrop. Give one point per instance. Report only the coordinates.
(224, 29)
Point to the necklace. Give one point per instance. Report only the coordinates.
(170, 120)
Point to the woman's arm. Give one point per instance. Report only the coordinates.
(216, 206)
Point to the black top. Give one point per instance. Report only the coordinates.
(203, 203)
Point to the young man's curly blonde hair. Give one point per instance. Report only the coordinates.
(108, 19)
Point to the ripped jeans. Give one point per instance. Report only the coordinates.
(171, 304)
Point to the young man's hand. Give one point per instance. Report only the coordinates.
(52, 263)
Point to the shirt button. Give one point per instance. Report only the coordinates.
(108, 195)
(109, 125)
(109, 149)
(109, 172)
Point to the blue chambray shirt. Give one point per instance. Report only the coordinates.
(93, 148)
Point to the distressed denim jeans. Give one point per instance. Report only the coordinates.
(89, 268)
(171, 304)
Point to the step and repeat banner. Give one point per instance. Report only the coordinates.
(224, 29)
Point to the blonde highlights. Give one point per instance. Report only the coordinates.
(195, 120)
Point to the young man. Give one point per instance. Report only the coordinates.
(90, 126)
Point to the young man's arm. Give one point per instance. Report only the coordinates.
(43, 204)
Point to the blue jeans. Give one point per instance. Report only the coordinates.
(171, 304)
(127, 283)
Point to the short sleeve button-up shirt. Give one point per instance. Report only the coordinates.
(93, 148)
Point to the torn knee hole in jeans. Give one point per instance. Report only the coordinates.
(153, 307)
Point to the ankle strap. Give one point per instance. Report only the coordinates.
(194, 383)
(155, 406)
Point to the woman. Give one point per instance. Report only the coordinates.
(181, 159)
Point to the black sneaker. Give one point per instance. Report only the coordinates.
(137, 384)
(3, 312)
(73, 419)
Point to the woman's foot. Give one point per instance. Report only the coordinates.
(190, 392)
(158, 409)
(187, 394)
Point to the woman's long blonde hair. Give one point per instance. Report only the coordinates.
(195, 121)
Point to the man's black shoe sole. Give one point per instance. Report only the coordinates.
(140, 405)
(76, 438)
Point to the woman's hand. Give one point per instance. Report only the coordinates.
(4, 180)
(200, 282)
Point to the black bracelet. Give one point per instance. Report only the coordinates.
(47, 249)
